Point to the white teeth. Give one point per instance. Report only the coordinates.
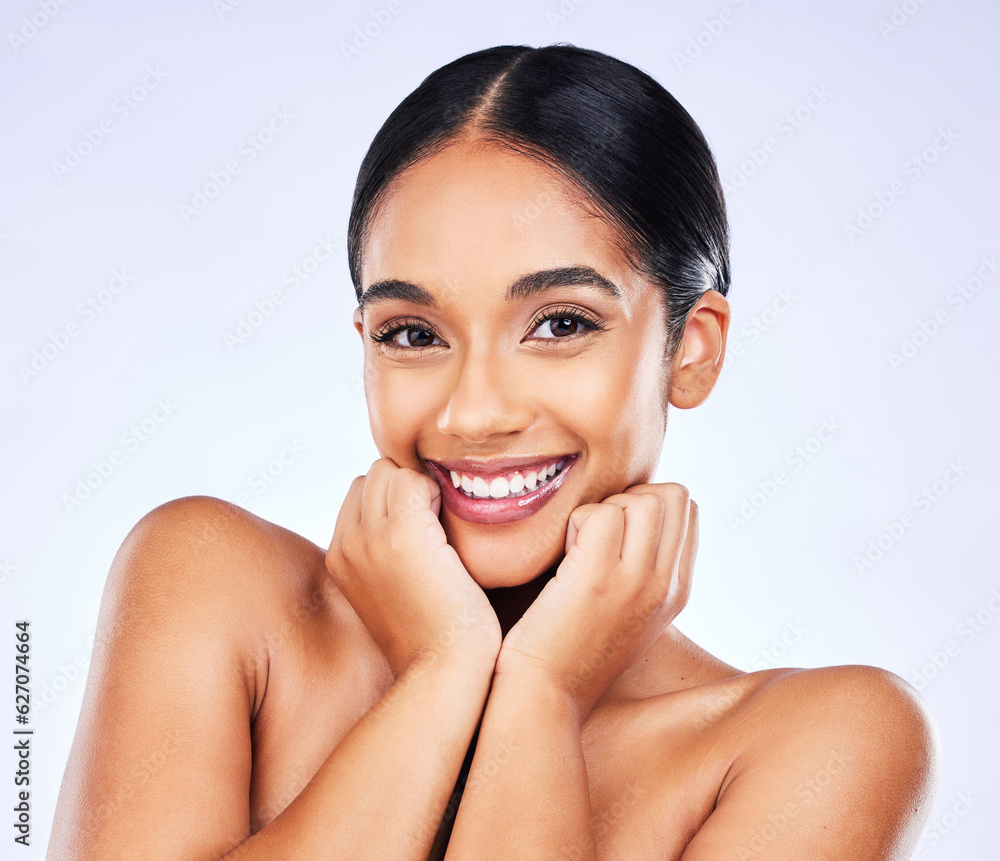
(499, 487)
(502, 487)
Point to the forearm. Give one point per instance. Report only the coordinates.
(383, 790)
(527, 795)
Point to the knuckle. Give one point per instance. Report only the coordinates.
(676, 494)
(611, 511)
(650, 500)
(383, 464)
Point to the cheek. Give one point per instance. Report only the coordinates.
(626, 417)
(399, 407)
(600, 399)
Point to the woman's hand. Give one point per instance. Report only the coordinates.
(391, 559)
(625, 577)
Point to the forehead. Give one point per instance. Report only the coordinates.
(478, 214)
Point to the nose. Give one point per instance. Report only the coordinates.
(488, 398)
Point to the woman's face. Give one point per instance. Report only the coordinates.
(514, 336)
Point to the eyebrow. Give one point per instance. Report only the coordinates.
(523, 287)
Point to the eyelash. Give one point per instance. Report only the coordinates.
(386, 335)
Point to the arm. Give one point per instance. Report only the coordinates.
(625, 576)
(161, 763)
(839, 763)
(527, 796)
(383, 791)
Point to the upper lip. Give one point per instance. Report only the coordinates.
(499, 465)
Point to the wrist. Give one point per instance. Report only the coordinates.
(467, 661)
(526, 688)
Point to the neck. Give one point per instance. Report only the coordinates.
(510, 602)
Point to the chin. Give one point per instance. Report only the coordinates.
(496, 557)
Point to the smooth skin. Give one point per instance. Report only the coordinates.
(254, 696)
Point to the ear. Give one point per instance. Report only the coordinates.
(698, 360)
(358, 324)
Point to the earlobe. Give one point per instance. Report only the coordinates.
(358, 322)
(698, 360)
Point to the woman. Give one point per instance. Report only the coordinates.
(539, 247)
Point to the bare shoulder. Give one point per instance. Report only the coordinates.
(162, 760)
(218, 532)
(206, 545)
(864, 711)
(203, 555)
(844, 758)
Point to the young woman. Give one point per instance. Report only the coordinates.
(539, 246)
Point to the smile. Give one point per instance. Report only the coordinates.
(510, 486)
(496, 496)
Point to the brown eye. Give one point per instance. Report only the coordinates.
(416, 337)
(405, 335)
(563, 324)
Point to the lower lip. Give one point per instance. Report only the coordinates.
(487, 510)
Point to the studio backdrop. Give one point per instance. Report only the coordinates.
(175, 181)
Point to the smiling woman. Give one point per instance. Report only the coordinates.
(483, 663)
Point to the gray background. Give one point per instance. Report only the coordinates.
(826, 287)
